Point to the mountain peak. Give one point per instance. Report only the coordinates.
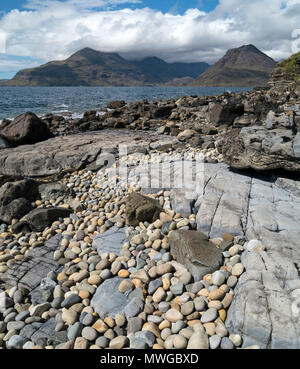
(242, 66)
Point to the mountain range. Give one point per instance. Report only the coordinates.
(244, 66)
(89, 67)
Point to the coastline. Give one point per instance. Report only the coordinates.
(186, 271)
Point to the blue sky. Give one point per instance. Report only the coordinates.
(33, 32)
(179, 6)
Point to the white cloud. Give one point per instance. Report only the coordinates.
(57, 30)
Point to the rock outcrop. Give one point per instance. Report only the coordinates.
(25, 129)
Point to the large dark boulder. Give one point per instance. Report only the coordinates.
(140, 208)
(16, 209)
(220, 114)
(41, 218)
(195, 252)
(26, 129)
(164, 111)
(16, 199)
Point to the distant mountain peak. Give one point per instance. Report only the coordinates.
(242, 66)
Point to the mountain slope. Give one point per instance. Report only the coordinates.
(243, 66)
(89, 67)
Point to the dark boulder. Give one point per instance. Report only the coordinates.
(26, 129)
(16, 209)
(116, 104)
(157, 112)
(41, 218)
(225, 114)
(195, 252)
(16, 199)
(140, 208)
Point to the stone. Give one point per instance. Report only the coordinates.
(38, 310)
(134, 325)
(140, 208)
(74, 331)
(198, 341)
(218, 278)
(236, 339)
(133, 308)
(226, 344)
(237, 270)
(173, 315)
(16, 342)
(118, 342)
(209, 315)
(107, 300)
(69, 316)
(89, 333)
(38, 219)
(125, 285)
(26, 129)
(110, 241)
(71, 300)
(214, 342)
(180, 342)
(154, 285)
(195, 252)
(146, 337)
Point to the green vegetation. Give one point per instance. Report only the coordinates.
(290, 66)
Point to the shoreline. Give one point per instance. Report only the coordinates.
(184, 266)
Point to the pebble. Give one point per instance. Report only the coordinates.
(209, 315)
(173, 315)
(89, 333)
(237, 270)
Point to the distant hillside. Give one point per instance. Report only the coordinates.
(243, 66)
(89, 67)
(289, 67)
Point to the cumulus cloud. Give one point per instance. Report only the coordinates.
(53, 30)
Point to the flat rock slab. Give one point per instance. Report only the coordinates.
(33, 268)
(195, 252)
(264, 309)
(110, 241)
(75, 151)
(108, 301)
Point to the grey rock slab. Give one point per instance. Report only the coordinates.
(110, 241)
(33, 268)
(74, 151)
(107, 300)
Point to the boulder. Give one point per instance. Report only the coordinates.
(16, 198)
(116, 104)
(195, 252)
(224, 114)
(16, 209)
(26, 129)
(38, 219)
(161, 111)
(54, 191)
(140, 208)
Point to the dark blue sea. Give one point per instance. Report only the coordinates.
(76, 100)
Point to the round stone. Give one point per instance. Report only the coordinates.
(226, 344)
(209, 315)
(218, 278)
(187, 308)
(236, 339)
(173, 315)
(118, 342)
(179, 342)
(125, 285)
(89, 333)
(214, 341)
(237, 270)
(159, 295)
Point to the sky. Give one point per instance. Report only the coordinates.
(33, 32)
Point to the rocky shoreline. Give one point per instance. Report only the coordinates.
(90, 258)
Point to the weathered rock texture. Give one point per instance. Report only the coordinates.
(72, 152)
(33, 268)
(195, 252)
(140, 208)
(26, 129)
